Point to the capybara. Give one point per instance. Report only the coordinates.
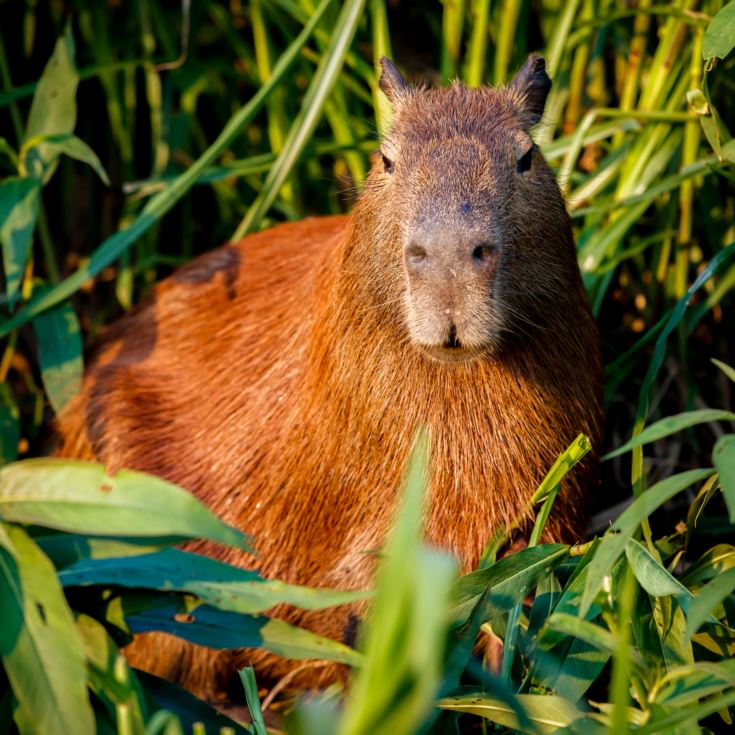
(283, 378)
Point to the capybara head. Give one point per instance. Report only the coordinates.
(471, 210)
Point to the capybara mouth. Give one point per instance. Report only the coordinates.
(452, 353)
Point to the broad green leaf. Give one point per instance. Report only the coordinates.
(652, 576)
(404, 645)
(54, 106)
(719, 38)
(19, 201)
(728, 151)
(41, 649)
(687, 684)
(65, 549)
(613, 544)
(208, 626)
(671, 425)
(723, 457)
(547, 713)
(60, 354)
(597, 636)
(53, 146)
(77, 496)
(712, 563)
(9, 425)
(669, 720)
(708, 598)
(187, 707)
(509, 579)
(217, 583)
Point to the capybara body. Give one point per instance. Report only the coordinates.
(283, 378)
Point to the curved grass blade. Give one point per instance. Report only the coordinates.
(670, 425)
(546, 713)
(708, 598)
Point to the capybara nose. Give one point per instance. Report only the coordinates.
(481, 256)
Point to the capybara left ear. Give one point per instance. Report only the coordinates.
(392, 82)
(531, 86)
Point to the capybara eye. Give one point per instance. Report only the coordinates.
(387, 165)
(525, 161)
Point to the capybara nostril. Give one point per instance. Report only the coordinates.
(484, 253)
(416, 255)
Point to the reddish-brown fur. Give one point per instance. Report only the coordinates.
(277, 378)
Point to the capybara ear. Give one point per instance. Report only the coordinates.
(531, 86)
(392, 82)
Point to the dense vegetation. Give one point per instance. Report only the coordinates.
(134, 135)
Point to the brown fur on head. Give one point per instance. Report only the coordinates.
(472, 210)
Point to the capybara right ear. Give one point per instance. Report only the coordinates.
(532, 84)
(392, 82)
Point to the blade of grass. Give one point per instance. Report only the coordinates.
(308, 116)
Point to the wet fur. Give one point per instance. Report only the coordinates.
(275, 378)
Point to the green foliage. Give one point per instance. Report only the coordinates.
(632, 631)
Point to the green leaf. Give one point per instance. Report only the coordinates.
(77, 496)
(723, 457)
(670, 425)
(217, 583)
(404, 644)
(60, 354)
(713, 562)
(613, 544)
(53, 146)
(9, 425)
(19, 202)
(247, 677)
(509, 579)
(727, 369)
(719, 38)
(652, 576)
(707, 599)
(65, 549)
(688, 684)
(41, 649)
(54, 107)
(596, 636)
(547, 713)
(208, 626)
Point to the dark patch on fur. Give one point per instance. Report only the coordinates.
(225, 260)
(351, 629)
